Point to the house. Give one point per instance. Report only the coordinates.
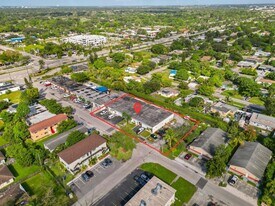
(247, 64)
(80, 153)
(206, 144)
(250, 161)
(266, 68)
(6, 177)
(131, 70)
(262, 54)
(168, 92)
(2, 158)
(223, 109)
(262, 121)
(7, 86)
(150, 117)
(12, 108)
(53, 143)
(154, 192)
(206, 59)
(46, 127)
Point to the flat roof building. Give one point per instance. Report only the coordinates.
(154, 193)
(150, 117)
(250, 161)
(53, 143)
(262, 121)
(87, 40)
(206, 144)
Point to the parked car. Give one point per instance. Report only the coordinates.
(233, 180)
(139, 180)
(145, 177)
(187, 156)
(141, 129)
(106, 163)
(155, 137)
(103, 112)
(66, 95)
(89, 173)
(86, 106)
(85, 177)
(111, 116)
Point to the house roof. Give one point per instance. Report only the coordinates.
(210, 139)
(2, 157)
(252, 156)
(5, 174)
(81, 148)
(47, 122)
(263, 119)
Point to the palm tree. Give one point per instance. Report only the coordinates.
(170, 137)
(126, 116)
(41, 64)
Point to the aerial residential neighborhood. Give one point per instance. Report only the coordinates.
(137, 103)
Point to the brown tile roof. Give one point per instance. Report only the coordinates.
(5, 174)
(47, 123)
(81, 148)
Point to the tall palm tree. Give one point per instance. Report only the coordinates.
(170, 137)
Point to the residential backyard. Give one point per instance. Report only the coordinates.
(185, 190)
(14, 97)
(22, 172)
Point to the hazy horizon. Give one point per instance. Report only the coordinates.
(127, 2)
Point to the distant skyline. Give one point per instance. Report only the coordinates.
(126, 2)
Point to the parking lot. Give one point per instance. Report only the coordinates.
(199, 164)
(80, 187)
(123, 192)
(109, 117)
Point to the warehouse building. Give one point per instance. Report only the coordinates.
(155, 193)
(150, 117)
(87, 40)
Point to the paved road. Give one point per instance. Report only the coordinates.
(144, 154)
(220, 96)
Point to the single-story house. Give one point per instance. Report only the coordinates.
(223, 109)
(80, 153)
(262, 121)
(46, 127)
(261, 53)
(6, 177)
(168, 92)
(131, 70)
(206, 144)
(154, 192)
(250, 161)
(7, 86)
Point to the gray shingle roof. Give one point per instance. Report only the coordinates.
(210, 139)
(252, 156)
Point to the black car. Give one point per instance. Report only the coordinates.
(155, 137)
(139, 180)
(89, 173)
(106, 163)
(85, 177)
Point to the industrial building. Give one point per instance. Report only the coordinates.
(87, 40)
(155, 192)
(150, 117)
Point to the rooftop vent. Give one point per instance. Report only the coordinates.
(142, 203)
(156, 189)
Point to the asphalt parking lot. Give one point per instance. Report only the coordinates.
(123, 192)
(115, 120)
(80, 187)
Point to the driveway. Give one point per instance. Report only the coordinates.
(80, 187)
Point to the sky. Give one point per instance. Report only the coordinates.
(126, 2)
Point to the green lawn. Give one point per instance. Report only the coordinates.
(59, 171)
(185, 191)
(233, 94)
(159, 171)
(14, 97)
(145, 133)
(2, 141)
(256, 100)
(22, 172)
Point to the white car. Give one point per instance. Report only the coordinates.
(232, 180)
(66, 95)
(111, 116)
(141, 129)
(103, 112)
